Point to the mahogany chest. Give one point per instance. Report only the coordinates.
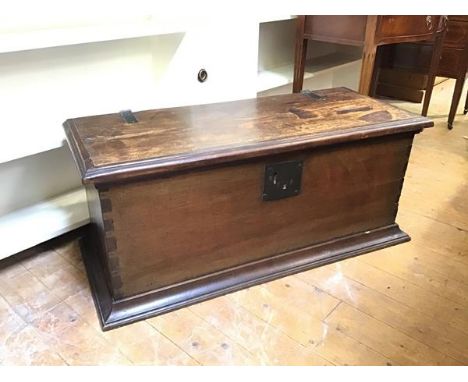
(190, 203)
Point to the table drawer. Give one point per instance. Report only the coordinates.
(449, 65)
(457, 34)
(338, 29)
(406, 26)
(459, 18)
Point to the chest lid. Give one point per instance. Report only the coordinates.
(115, 147)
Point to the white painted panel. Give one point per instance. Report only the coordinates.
(327, 64)
(30, 226)
(41, 88)
(277, 41)
(346, 75)
(29, 180)
(230, 57)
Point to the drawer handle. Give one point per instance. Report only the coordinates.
(429, 22)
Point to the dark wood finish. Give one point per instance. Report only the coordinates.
(114, 313)
(465, 110)
(457, 33)
(400, 92)
(107, 149)
(435, 58)
(369, 54)
(457, 92)
(401, 84)
(300, 58)
(403, 78)
(348, 30)
(453, 62)
(187, 221)
(396, 79)
(395, 29)
(242, 227)
(370, 32)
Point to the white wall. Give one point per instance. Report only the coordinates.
(40, 88)
(43, 87)
(328, 65)
(277, 42)
(32, 179)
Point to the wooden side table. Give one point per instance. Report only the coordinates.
(453, 63)
(368, 32)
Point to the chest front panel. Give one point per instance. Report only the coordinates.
(174, 229)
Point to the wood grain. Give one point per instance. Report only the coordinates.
(419, 325)
(370, 32)
(398, 346)
(223, 221)
(107, 149)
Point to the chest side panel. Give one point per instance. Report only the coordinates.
(174, 229)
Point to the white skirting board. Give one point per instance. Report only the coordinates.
(30, 226)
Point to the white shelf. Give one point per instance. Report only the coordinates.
(283, 75)
(47, 38)
(142, 26)
(278, 17)
(30, 226)
(41, 88)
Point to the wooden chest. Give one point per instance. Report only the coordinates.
(193, 202)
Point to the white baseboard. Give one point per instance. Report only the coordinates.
(30, 226)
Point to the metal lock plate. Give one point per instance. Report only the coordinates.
(282, 180)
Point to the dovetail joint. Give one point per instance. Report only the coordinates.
(111, 245)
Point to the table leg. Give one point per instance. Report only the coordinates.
(367, 69)
(300, 55)
(456, 99)
(376, 71)
(368, 56)
(433, 66)
(465, 110)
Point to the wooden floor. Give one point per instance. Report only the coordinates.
(407, 305)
